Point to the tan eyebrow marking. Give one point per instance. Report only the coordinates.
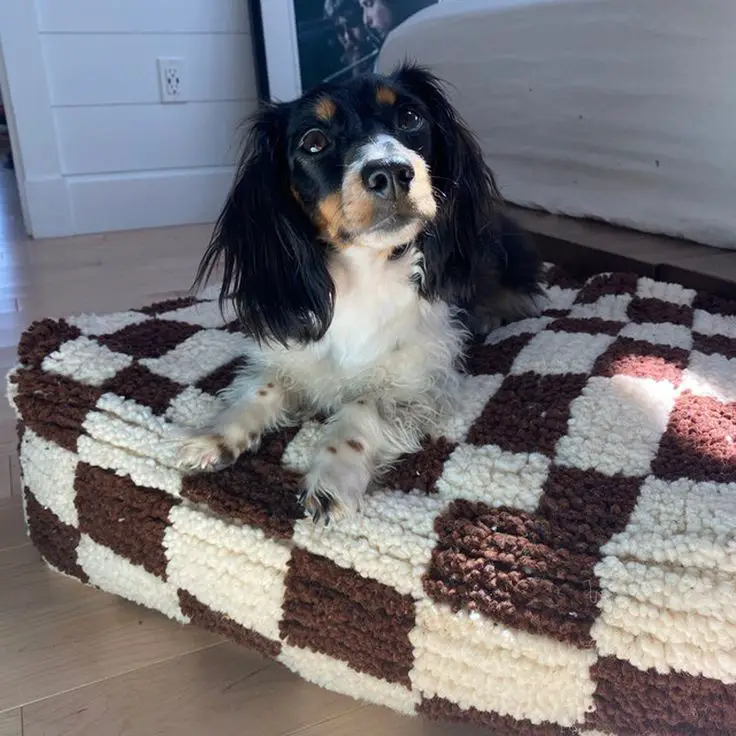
(385, 95)
(325, 108)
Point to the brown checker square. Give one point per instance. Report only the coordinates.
(556, 276)
(494, 724)
(513, 567)
(555, 313)
(56, 541)
(337, 612)
(487, 360)
(169, 305)
(221, 378)
(144, 387)
(642, 310)
(131, 520)
(422, 470)
(712, 344)
(44, 337)
(592, 325)
(234, 326)
(54, 406)
(257, 490)
(700, 441)
(715, 304)
(20, 430)
(607, 284)
(642, 359)
(528, 413)
(585, 508)
(150, 339)
(631, 702)
(204, 617)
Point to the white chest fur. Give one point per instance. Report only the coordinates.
(383, 334)
(376, 306)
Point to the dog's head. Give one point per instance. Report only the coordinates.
(358, 162)
(374, 162)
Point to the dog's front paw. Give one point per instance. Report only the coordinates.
(206, 453)
(319, 503)
(335, 485)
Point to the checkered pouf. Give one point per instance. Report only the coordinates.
(563, 561)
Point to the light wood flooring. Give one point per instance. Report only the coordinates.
(78, 662)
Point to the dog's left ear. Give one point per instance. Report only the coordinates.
(457, 159)
(459, 171)
(471, 235)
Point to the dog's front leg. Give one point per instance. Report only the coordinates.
(255, 407)
(347, 458)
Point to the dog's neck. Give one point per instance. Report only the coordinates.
(359, 266)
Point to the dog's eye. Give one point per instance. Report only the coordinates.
(408, 120)
(313, 141)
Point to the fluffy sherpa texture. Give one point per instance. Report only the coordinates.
(563, 561)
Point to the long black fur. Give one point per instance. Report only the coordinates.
(473, 251)
(274, 265)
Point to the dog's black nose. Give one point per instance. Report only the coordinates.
(387, 179)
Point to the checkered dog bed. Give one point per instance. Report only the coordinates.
(563, 561)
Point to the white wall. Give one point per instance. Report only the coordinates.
(126, 160)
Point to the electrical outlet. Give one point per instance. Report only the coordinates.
(170, 79)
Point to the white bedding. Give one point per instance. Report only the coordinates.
(623, 110)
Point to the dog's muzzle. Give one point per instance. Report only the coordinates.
(386, 193)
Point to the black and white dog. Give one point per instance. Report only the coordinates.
(361, 245)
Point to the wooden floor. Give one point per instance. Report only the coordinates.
(78, 662)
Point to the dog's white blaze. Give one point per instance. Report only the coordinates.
(384, 148)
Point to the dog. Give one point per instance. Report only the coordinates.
(362, 245)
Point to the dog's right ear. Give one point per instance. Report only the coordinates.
(274, 266)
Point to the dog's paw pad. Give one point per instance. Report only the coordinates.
(204, 454)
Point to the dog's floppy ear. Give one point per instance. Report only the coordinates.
(274, 267)
(475, 254)
(469, 198)
(458, 168)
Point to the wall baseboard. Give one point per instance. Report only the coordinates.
(49, 213)
(148, 199)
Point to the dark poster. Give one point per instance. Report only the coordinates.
(338, 39)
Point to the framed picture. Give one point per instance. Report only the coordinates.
(300, 43)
